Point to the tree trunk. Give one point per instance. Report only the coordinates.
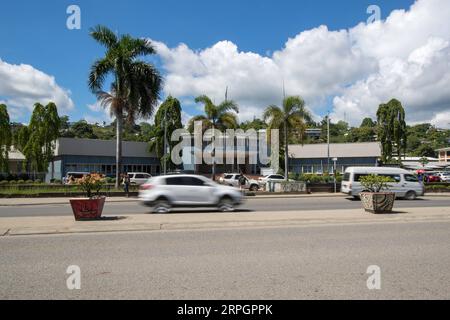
(118, 148)
(286, 152)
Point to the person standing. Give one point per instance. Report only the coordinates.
(126, 184)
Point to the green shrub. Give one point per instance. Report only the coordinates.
(3, 182)
(38, 181)
(57, 181)
(29, 181)
(20, 181)
(12, 182)
(376, 183)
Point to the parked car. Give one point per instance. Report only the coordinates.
(74, 175)
(232, 179)
(165, 192)
(139, 178)
(444, 176)
(431, 177)
(406, 184)
(272, 178)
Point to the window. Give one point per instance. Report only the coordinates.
(346, 177)
(191, 181)
(395, 177)
(228, 176)
(411, 178)
(278, 177)
(140, 176)
(358, 177)
(174, 181)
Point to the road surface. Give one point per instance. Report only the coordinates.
(260, 204)
(309, 262)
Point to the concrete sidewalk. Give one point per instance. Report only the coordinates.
(11, 202)
(153, 222)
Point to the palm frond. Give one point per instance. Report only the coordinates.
(104, 36)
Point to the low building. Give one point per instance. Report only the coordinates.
(444, 154)
(415, 163)
(16, 162)
(313, 158)
(88, 155)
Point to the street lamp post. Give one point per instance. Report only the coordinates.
(334, 174)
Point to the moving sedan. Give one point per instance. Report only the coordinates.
(165, 192)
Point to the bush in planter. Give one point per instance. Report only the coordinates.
(20, 181)
(92, 206)
(12, 182)
(29, 182)
(38, 181)
(376, 198)
(4, 182)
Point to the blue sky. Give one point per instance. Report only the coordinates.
(34, 33)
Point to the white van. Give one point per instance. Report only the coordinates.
(406, 184)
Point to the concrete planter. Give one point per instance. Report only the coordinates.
(380, 202)
(87, 208)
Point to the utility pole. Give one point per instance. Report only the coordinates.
(165, 142)
(328, 142)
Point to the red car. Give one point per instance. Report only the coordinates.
(432, 178)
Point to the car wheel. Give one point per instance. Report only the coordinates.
(161, 206)
(410, 195)
(226, 204)
(254, 187)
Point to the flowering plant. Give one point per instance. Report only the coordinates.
(90, 183)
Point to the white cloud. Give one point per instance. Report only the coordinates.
(407, 57)
(21, 86)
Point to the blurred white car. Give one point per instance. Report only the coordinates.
(139, 177)
(232, 179)
(444, 176)
(165, 192)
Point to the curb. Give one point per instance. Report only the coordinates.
(223, 225)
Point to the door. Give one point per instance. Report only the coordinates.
(397, 186)
(412, 183)
(199, 191)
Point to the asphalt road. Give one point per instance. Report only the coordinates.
(261, 204)
(309, 262)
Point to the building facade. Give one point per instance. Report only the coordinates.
(313, 158)
(444, 154)
(88, 155)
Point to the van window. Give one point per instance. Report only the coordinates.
(358, 176)
(411, 178)
(395, 177)
(346, 177)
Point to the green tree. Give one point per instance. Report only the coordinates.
(135, 89)
(367, 122)
(5, 138)
(167, 120)
(392, 130)
(291, 116)
(43, 131)
(83, 130)
(216, 117)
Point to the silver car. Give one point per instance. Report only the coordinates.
(166, 192)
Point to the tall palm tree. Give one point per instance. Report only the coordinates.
(216, 117)
(136, 84)
(292, 116)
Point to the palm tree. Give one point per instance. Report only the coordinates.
(135, 89)
(216, 117)
(292, 116)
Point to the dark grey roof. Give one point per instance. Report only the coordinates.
(92, 147)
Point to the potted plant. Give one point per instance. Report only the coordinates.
(90, 207)
(374, 199)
